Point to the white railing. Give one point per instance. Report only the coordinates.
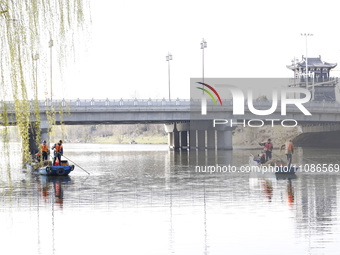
(103, 103)
(75, 104)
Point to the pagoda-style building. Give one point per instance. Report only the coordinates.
(318, 80)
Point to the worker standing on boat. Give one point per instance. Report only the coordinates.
(44, 150)
(289, 150)
(268, 148)
(58, 151)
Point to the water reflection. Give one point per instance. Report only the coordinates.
(53, 186)
(153, 202)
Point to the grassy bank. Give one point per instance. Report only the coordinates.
(155, 134)
(126, 140)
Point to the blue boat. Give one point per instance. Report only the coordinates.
(56, 170)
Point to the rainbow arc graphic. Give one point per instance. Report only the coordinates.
(209, 93)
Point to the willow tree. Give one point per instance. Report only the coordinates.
(25, 28)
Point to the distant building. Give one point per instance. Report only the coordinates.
(319, 80)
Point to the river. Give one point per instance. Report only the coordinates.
(144, 199)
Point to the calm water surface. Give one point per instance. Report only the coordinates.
(143, 199)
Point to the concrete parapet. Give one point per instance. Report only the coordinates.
(323, 127)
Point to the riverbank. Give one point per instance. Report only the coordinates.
(130, 140)
(155, 134)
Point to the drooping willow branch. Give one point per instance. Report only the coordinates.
(24, 25)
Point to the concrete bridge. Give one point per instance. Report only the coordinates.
(185, 125)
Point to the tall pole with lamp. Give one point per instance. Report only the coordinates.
(306, 36)
(203, 45)
(168, 58)
(50, 44)
(36, 57)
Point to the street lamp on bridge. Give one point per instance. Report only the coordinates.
(306, 36)
(168, 58)
(203, 45)
(50, 44)
(36, 57)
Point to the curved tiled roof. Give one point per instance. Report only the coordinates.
(312, 62)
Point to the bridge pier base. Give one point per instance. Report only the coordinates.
(184, 140)
(211, 144)
(202, 135)
(173, 140)
(201, 139)
(224, 140)
(173, 136)
(192, 139)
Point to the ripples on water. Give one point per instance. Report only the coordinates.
(143, 199)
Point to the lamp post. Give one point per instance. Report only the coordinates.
(50, 44)
(36, 57)
(168, 58)
(306, 36)
(203, 45)
(294, 64)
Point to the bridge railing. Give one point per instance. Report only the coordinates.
(134, 103)
(126, 102)
(95, 103)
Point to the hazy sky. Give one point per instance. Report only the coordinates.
(130, 39)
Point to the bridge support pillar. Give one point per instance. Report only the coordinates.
(211, 139)
(201, 139)
(33, 143)
(44, 132)
(173, 136)
(175, 140)
(192, 139)
(184, 140)
(202, 135)
(224, 140)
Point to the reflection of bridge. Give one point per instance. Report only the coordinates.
(180, 123)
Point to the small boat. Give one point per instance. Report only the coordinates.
(280, 168)
(56, 170)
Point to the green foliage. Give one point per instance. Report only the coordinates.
(24, 24)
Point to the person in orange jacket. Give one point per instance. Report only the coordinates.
(58, 151)
(289, 150)
(44, 150)
(268, 148)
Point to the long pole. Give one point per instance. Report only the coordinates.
(169, 78)
(76, 164)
